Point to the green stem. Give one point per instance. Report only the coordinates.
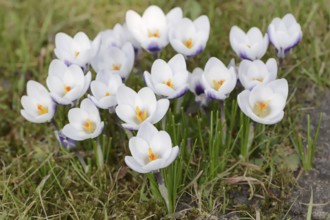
(99, 153)
(162, 188)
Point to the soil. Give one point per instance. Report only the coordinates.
(318, 179)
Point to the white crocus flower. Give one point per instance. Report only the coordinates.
(126, 36)
(168, 79)
(218, 80)
(196, 85)
(67, 84)
(265, 103)
(104, 89)
(284, 34)
(151, 150)
(84, 122)
(252, 73)
(38, 106)
(150, 30)
(251, 45)
(77, 50)
(135, 108)
(118, 60)
(190, 37)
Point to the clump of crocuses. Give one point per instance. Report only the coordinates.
(112, 55)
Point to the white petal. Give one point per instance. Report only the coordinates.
(139, 150)
(126, 96)
(161, 144)
(178, 63)
(147, 131)
(131, 163)
(162, 107)
(172, 156)
(73, 133)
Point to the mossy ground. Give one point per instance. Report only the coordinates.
(38, 181)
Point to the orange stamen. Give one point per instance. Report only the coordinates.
(151, 155)
(76, 54)
(217, 84)
(41, 109)
(67, 89)
(168, 83)
(188, 43)
(89, 126)
(116, 67)
(153, 34)
(140, 115)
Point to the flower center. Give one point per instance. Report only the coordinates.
(67, 89)
(89, 126)
(42, 109)
(154, 34)
(76, 54)
(140, 115)
(168, 83)
(116, 67)
(151, 155)
(260, 79)
(107, 94)
(217, 84)
(261, 109)
(188, 43)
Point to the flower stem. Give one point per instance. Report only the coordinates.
(99, 153)
(54, 123)
(162, 188)
(223, 120)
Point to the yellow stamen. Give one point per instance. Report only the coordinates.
(217, 84)
(140, 115)
(67, 89)
(151, 155)
(260, 79)
(188, 43)
(153, 34)
(116, 67)
(107, 94)
(42, 109)
(168, 83)
(76, 54)
(260, 109)
(89, 126)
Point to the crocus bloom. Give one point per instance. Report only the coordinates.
(135, 108)
(84, 122)
(265, 103)
(252, 73)
(218, 80)
(150, 30)
(77, 50)
(284, 34)
(104, 89)
(189, 37)
(67, 84)
(251, 45)
(196, 85)
(126, 36)
(168, 79)
(151, 150)
(118, 60)
(38, 106)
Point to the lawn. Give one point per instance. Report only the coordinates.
(210, 179)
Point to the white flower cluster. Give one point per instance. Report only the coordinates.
(112, 54)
